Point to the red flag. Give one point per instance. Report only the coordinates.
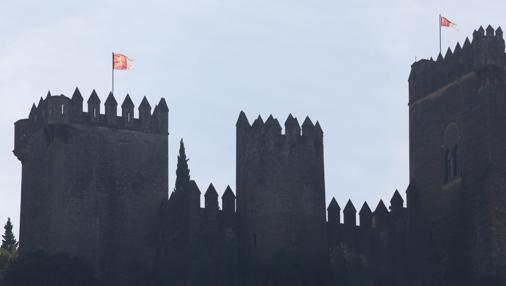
(444, 22)
(121, 62)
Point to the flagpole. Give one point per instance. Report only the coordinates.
(112, 89)
(439, 23)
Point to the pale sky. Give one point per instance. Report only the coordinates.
(343, 63)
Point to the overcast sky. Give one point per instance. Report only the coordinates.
(343, 63)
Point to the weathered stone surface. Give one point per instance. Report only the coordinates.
(89, 189)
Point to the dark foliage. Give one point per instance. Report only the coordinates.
(9, 241)
(182, 171)
(34, 269)
(208, 259)
(351, 269)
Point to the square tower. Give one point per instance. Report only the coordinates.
(457, 195)
(281, 189)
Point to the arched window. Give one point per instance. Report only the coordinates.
(452, 156)
(456, 161)
(452, 163)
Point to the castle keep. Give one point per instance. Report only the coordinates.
(457, 202)
(95, 185)
(92, 182)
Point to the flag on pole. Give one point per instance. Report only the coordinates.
(444, 22)
(121, 62)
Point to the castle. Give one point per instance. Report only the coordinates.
(96, 184)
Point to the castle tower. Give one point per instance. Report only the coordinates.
(91, 185)
(280, 188)
(457, 194)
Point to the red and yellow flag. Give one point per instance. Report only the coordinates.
(444, 22)
(121, 62)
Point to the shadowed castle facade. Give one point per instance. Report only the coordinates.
(96, 185)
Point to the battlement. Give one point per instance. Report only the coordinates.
(60, 109)
(272, 127)
(381, 218)
(183, 210)
(268, 136)
(485, 51)
(189, 198)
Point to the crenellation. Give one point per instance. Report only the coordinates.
(42, 109)
(77, 104)
(478, 34)
(365, 215)
(269, 134)
(242, 121)
(194, 195)
(111, 109)
(380, 216)
(145, 113)
(498, 32)
(458, 49)
(162, 117)
(33, 114)
(258, 126)
(467, 44)
(396, 202)
(484, 51)
(334, 212)
(228, 201)
(59, 109)
(448, 54)
(307, 127)
(153, 124)
(127, 111)
(292, 128)
(272, 126)
(94, 107)
(350, 215)
(318, 129)
(490, 31)
(41, 101)
(55, 110)
(211, 199)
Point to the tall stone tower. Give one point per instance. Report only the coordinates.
(280, 188)
(92, 183)
(457, 195)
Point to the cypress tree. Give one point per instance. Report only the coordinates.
(182, 171)
(9, 242)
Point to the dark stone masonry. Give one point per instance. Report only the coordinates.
(95, 185)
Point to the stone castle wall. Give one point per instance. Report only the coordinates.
(96, 184)
(92, 183)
